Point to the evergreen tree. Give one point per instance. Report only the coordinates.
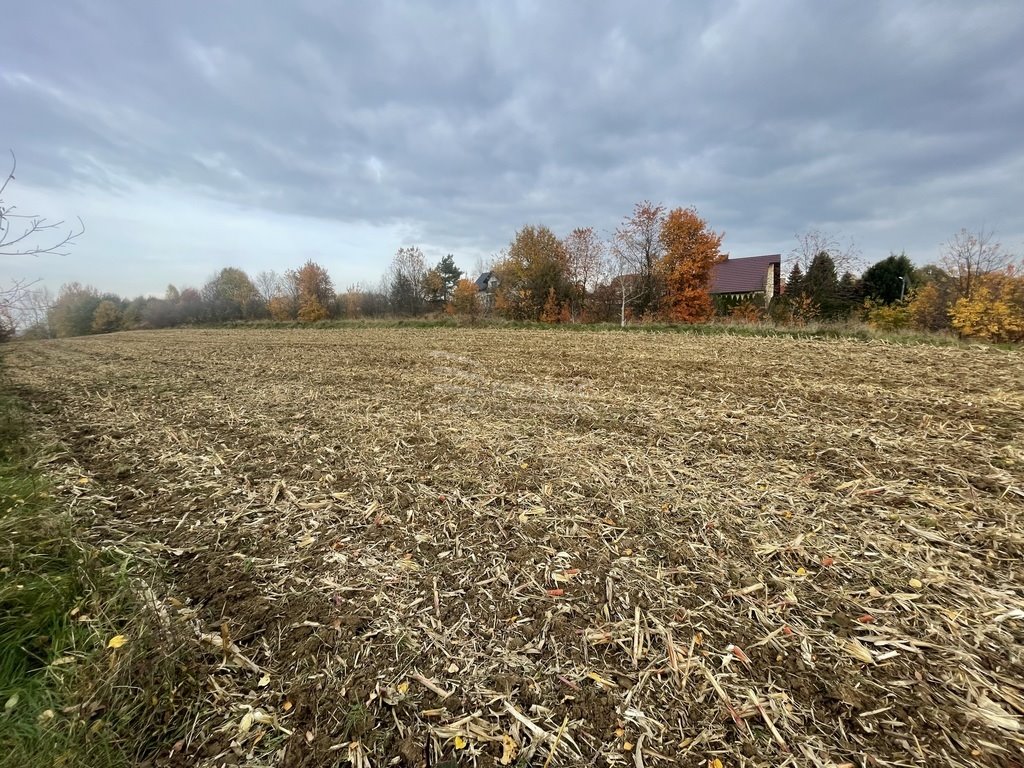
(450, 274)
(795, 281)
(884, 280)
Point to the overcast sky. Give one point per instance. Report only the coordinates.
(194, 135)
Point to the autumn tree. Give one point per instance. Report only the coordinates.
(73, 309)
(638, 249)
(434, 288)
(932, 298)
(107, 317)
(230, 295)
(691, 249)
(313, 292)
(465, 301)
(970, 256)
(994, 310)
(534, 267)
(586, 264)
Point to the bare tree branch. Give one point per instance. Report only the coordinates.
(27, 235)
(845, 255)
(19, 232)
(969, 256)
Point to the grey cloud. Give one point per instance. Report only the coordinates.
(458, 122)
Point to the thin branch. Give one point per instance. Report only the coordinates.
(36, 225)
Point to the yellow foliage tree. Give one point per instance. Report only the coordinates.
(312, 287)
(995, 309)
(311, 310)
(281, 308)
(929, 308)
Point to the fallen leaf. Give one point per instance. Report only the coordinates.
(117, 641)
(460, 743)
(627, 745)
(556, 592)
(264, 682)
(827, 561)
(11, 703)
(287, 705)
(403, 687)
(508, 750)
(916, 583)
(867, 618)
(801, 571)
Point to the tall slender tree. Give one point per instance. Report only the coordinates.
(637, 246)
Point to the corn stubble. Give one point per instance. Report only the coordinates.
(489, 547)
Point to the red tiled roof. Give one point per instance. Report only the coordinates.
(742, 275)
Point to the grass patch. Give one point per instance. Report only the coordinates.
(67, 698)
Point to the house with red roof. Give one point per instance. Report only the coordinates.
(756, 279)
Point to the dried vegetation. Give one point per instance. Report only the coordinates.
(486, 547)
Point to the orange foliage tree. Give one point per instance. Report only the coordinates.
(533, 268)
(465, 301)
(691, 250)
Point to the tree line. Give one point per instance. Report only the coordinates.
(655, 266)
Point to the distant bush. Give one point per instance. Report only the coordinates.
(888, 317)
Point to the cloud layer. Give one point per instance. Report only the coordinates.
(194, 135)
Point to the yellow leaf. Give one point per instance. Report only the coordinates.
(524, 465)
(801, 571)
(916, 583)
(508, 749)
(117, 641)
(627, 746)
(460, 743)
(403, 687)
(716, 763)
